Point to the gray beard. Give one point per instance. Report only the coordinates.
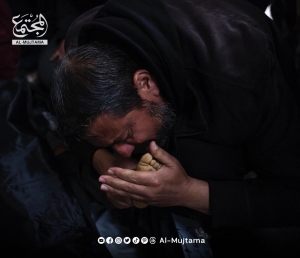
(165, 117)
(165, 120)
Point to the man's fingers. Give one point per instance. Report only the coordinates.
(119, 194)
(161, 155)
(125, 188)
(132, 176)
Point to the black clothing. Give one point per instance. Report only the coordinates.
(246, 113)
(45, 204)
(222, 66)
(40, 215)
(261, 4)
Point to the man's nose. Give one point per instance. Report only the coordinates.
(124, 149)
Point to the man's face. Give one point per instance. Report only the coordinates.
(133, 132)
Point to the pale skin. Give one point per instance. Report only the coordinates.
(168, 186)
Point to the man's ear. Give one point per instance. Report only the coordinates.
(146, 86)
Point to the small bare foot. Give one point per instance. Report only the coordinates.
(146, 163)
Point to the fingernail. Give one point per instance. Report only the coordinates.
(103, 188)
(102, 180)
(110, 172)
(155, 145)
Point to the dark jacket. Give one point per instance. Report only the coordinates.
(225, 70)
(40, 214)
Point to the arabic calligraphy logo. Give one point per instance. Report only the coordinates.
(29, 23)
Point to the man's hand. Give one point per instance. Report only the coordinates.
(168, 186)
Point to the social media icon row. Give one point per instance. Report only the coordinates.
(126, 240)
